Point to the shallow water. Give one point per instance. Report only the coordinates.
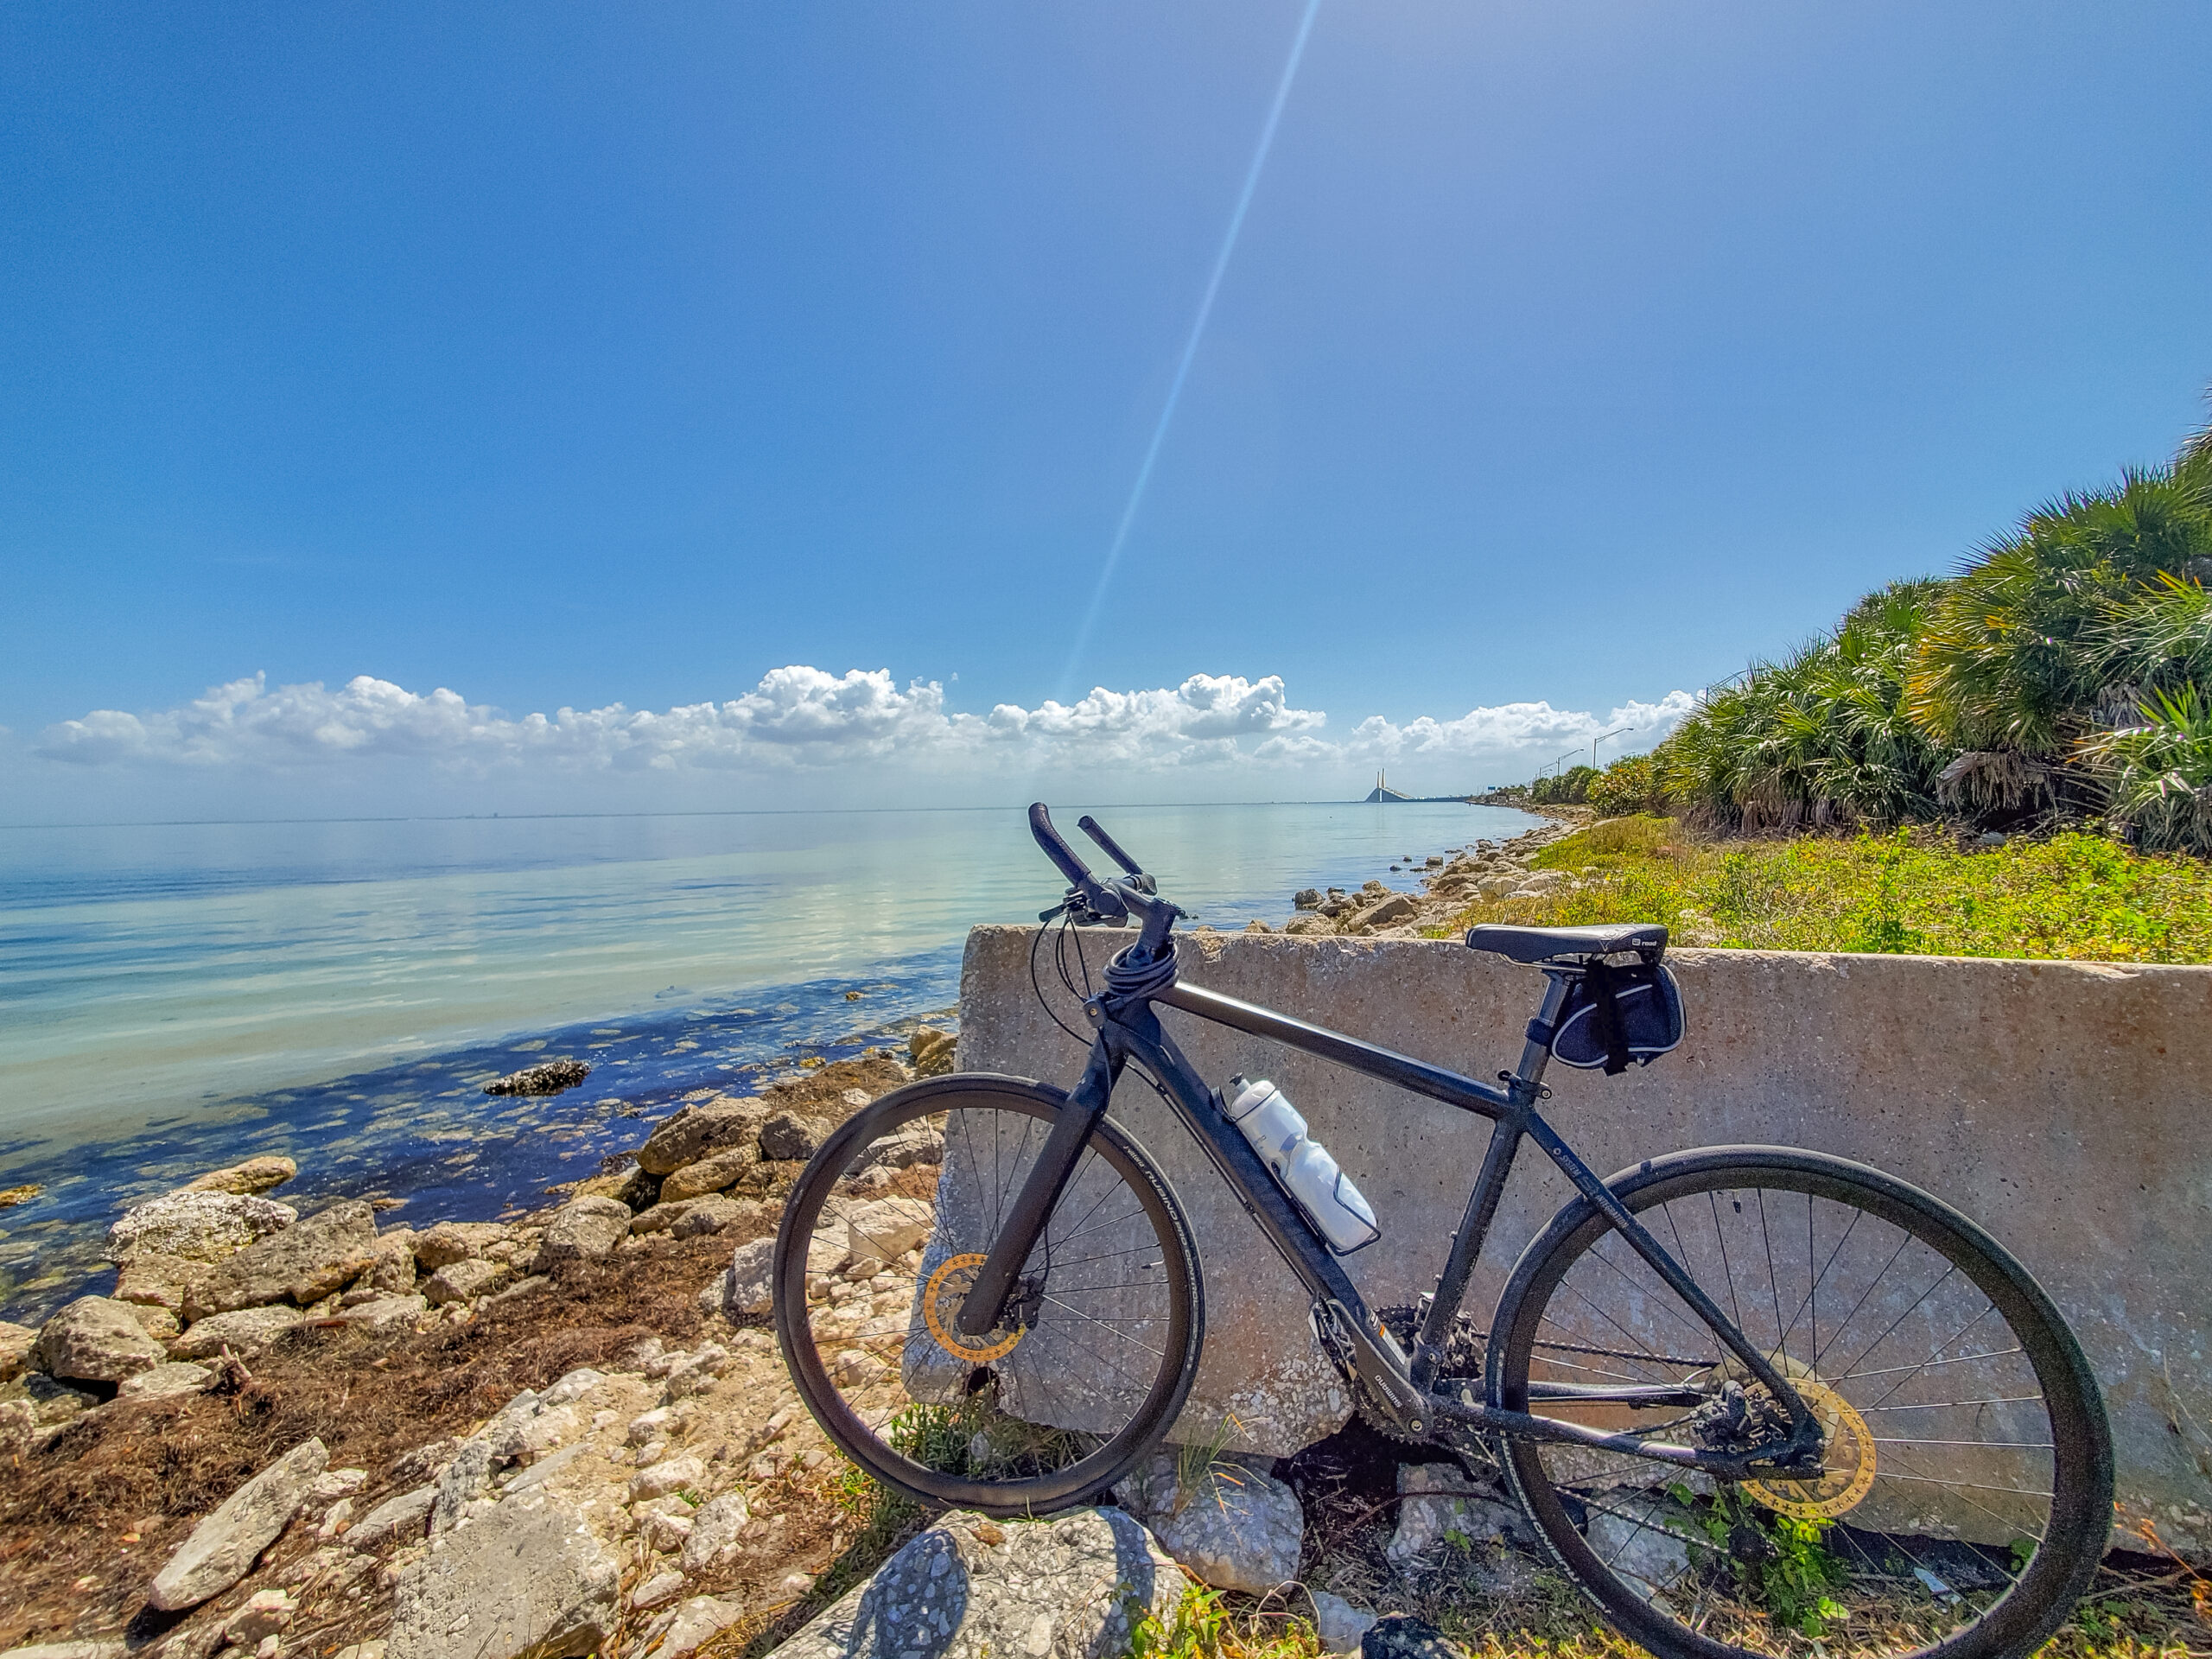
(173, 998)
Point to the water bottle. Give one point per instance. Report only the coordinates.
(1302, 1164)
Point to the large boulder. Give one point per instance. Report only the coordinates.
(525, 1579)
(1230, 1522)
(794, 1135)
(152, 1279)
(968, 1588)
(247, 1179)
(709, 1175)
(95, 1340)
(464, 1281)
(247, 1333)
(455, 1241)
(391, 1261)
(196, 1226)
(303, 1263)
(223, 1548)
(1439, 1499)
(584, 1229)
(166, 1381)
(700, 1131)
(931, 1051)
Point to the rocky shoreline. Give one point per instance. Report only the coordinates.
(1449, 881)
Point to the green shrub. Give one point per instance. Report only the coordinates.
(1629, 784)
(2046, 680)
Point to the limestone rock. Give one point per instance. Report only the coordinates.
(160, 1323)
(710, 1214)
(789, 1134)
(548, 1078)
(968, 1588)
(383, 1312)
(464, 1281)
(1398, 907)
(249, 1179)
(197, 1226)
(668, 1475)
(247, 1333)
(1307, 899)
(660, 1217)
(1438, 1498)
(913, 1143)
(391, 1261)
(166, 1381)
(716, 1530)
(1236, 1527)
(149, 1278)
(584, 1229)
(662, 1586)
(95, 1340)
(99, 1647)
(304, 1264)
(886, 1228)
(686, 1627)
(17, 1341)
(1340, 1626)
(700, 1131)
(709, 1175)
(37, 1401)
(406, 1517)
(223, 1548)
(1303, 926)
(524, 1579)
(456, 1240)
(752, 1272)
(931, 1051)
(266, 1613)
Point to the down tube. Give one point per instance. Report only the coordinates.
(1288, 1230)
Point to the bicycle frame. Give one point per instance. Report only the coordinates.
(1404, 1386)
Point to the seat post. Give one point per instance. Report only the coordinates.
(1536, 1055)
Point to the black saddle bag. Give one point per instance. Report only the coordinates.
(1615, 1015)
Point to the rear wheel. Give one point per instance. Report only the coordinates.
(879, 1246)
(1966, 1492)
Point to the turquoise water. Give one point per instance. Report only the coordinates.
(176, 996)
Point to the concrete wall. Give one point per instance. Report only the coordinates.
(2063, 1105)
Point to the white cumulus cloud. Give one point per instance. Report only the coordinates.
(803, 717)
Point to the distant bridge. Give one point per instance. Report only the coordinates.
(1383, 792)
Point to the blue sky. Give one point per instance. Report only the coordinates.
(575, 357)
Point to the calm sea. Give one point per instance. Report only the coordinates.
(174, 997)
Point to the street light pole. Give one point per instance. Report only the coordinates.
(1600, 737)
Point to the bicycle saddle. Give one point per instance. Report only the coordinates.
(1647, 939)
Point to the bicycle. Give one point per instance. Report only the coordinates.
(988, 1294)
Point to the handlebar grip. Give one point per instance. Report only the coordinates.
(1040, 825)
(1091, 827)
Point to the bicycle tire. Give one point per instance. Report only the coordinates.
(1184, 1324)
(2063, 1561)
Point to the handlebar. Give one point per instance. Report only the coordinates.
(1110, 900)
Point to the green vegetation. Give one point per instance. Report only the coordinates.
(2063, 678)
(2072, 895)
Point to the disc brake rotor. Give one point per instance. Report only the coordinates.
(1847, 1450)
(945, 1295)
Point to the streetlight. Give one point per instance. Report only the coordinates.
(1595, 742)
(1568, 755)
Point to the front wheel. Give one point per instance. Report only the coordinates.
(879, 1243)
(1966, 1488)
